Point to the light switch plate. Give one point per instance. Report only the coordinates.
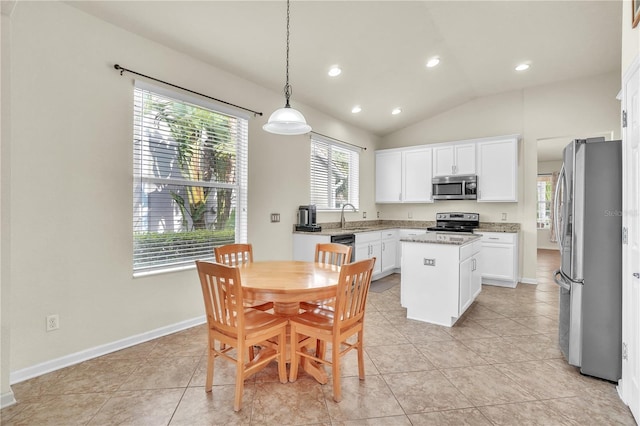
(275, 217)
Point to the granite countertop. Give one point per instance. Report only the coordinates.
(333, 228)
(451, 238)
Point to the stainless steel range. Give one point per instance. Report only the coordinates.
(456, 222)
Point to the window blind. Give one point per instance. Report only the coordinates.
(335, 174)
(190, 179)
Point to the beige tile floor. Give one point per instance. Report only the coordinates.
(499, 365)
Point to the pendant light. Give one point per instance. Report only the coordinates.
(287, 121)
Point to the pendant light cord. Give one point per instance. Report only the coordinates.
(287, 87)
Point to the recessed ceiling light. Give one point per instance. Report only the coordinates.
(433, 62)
(356, 109)
(522, 67)
(335, 71)
(396, 111)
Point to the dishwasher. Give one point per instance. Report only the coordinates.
(347, 240)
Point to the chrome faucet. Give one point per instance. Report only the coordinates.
(342, 221)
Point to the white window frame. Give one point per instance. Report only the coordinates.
(322, 191)
(140, 178)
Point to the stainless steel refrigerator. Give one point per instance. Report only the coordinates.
(588, 222)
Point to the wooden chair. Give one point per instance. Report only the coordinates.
(328, 254)
(335, 326)
(238, 254)
(234, 326)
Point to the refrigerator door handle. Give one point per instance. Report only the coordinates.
(556, 207)
(561, 282)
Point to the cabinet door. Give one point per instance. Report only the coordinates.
(498, 170)
(465, 159)
(388, 177)
(363, 251)
(376, 251)
(443, 160)
(466, 276)
(416, 176)
(389, 254)
(476, 277)
(497, 260)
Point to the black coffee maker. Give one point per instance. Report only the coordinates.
(307, 219)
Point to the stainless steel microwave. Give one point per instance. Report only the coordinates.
(456, 187)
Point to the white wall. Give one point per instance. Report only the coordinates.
(582, 107)
(6, 396)
(547, 167)
(71, 187)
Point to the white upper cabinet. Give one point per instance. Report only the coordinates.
(388, 176)
(497, 164)
(403, 175)
(416, 176)
(454, 159)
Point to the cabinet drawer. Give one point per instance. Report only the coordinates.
(498, 237)
(388, 234)
(470, 249)
(368, 237)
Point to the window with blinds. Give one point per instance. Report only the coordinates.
(334, 174)
(190, 179)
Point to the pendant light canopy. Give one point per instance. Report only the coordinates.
(287, 121)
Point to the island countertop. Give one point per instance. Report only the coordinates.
(451, 238)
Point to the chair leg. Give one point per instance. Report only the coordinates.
(237, 402)
(321, 347)
(282, 360)
(335, 371)
(293, 357)
(209, 382)
(360, 355)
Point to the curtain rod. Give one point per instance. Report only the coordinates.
(122, 70)
(346, 143)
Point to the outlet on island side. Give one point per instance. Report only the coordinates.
(364, 215)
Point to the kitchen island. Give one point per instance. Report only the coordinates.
(440, 276)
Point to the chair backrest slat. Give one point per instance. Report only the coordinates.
(333, 253)
(222, 291)
(234, 254)
(353, 288)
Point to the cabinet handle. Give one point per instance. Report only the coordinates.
(494, 238)
(400, 196)
(383, 247)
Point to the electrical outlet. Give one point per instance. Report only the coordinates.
(378, 215)
(364, 215)
(504, 216)
(410, 215)
(53, 322)
(429, 262)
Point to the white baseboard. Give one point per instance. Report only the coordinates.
(7, 399)
(75, 358)
(528, 280)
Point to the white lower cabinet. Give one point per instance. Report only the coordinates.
(389, 256)
(368, 245)
(470, 279)
(499, 258)
(439, 281)
(304, 246)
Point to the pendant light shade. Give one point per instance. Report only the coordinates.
(287, 121)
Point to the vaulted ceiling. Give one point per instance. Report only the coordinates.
(382, 48)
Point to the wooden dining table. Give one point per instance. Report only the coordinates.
(286, 284)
